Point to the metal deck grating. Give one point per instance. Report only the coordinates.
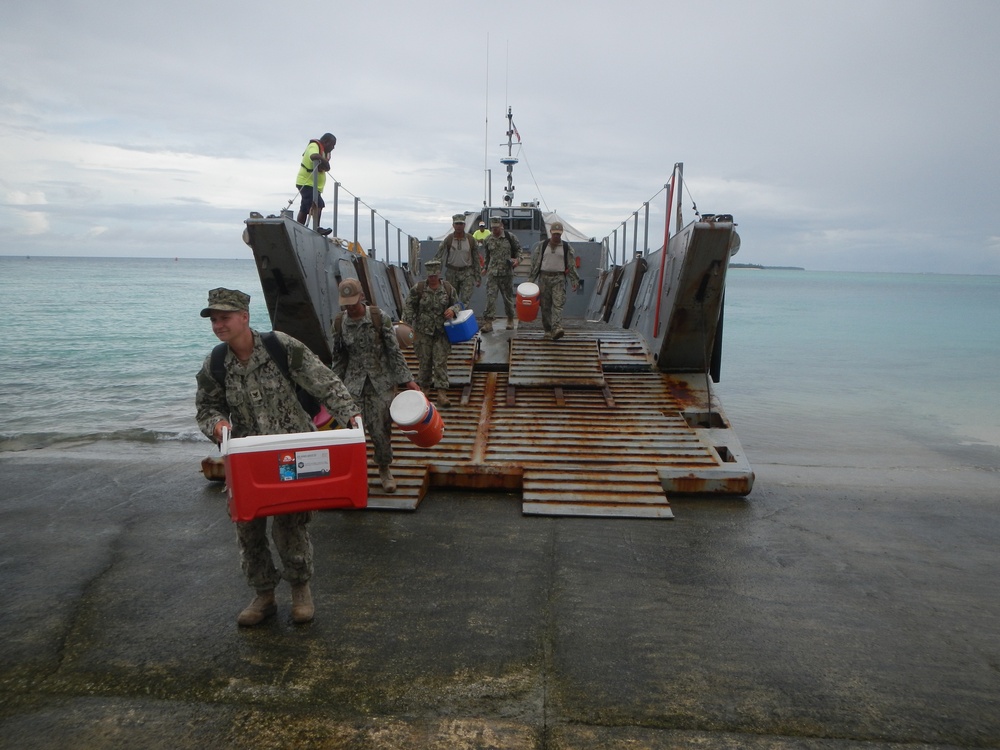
(569, 363)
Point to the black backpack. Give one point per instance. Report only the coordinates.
(279, 354)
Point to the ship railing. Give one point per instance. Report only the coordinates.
(379, 227)
(656, 214)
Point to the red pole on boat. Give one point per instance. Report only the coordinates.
(663, 255)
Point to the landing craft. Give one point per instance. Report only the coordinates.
(610, 420)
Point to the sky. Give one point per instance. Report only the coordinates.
(847, 135)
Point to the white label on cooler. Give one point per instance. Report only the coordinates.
(314, 463)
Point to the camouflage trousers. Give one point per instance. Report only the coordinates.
(432, 354)
(290, 533)
(504, 284)
(464, 280)
(378, 422)
(552, 287)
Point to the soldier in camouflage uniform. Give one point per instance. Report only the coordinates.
(503, 252)
(428, 305)
(258, 399)
(460, 258)
(552, 260)
(371, 365)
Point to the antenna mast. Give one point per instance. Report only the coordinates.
(510, 160)
(487, 175)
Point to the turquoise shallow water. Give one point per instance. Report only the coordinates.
(815, 365)
(833, 363)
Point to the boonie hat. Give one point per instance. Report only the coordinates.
(350, 291)
(226, 300)
(432, 266)
(458, 219)
(556, 228)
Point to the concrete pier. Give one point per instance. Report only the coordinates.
(826, 610)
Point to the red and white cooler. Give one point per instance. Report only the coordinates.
(267, 475)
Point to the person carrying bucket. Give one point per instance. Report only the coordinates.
(552, 261)
(428, 305)
(366, 356)
(502, 252)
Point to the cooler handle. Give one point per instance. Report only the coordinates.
(224, 444)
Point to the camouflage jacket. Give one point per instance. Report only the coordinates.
(444, 252)
(360, 354)
(500, 251)
(569, 261)
(424, 307)
(258, 399)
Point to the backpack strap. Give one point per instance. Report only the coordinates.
(377, 322)
(217, 363)
(510, 243)
(279, 353)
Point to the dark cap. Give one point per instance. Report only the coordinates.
(226, 300)
(350, 291)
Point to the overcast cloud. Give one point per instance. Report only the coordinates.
(856, 135)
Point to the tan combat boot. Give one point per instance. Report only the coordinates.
(487, 327)
(388, 483)
(302, 603)
(510, 322)
(259, 609)
(443, 401)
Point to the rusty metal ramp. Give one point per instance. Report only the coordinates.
(585, 490)
(574, 438)
(573, 362)
(412, 482)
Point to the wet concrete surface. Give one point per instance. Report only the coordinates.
(827, 610)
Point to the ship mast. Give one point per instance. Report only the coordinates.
(510, 160)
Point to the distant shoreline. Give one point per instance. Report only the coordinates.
(766, 268)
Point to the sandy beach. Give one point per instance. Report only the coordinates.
(832, 608)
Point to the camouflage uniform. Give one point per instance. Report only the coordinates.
(258, 399)
(463, 276)
(552, 284)
(424, 311)
(500, 252)
(371, 365)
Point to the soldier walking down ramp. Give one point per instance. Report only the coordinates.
(366, 356)
(255, 397)
(428, 305)
(552, 260)
(502, 251)
(461, 262)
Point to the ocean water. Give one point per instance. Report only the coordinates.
(819, 368)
